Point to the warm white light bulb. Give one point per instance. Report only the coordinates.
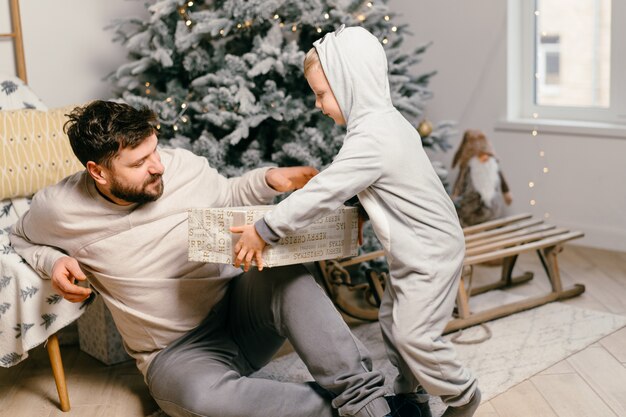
(276, 17)
(319, 30)
(326, 16)
(386, 18)
(184, 105)
(188, 22)
(533, 202)
(534, 133)
(545, 170)
(385, 41)
(394, 29)
(531, 184)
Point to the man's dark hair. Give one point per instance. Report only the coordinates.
(99, 130)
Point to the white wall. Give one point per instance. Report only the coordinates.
(68, 53)
(585, 188)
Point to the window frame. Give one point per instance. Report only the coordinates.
(522, 70)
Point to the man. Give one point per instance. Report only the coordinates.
(196, 330)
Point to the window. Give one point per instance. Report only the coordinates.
(571, 64)
(548, 80)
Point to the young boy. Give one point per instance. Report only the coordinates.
(383, 162)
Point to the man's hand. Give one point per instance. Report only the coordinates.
(250, 246)
(289, 179)
(65, 272)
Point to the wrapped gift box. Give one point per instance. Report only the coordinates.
(98, 336)
(331, 237)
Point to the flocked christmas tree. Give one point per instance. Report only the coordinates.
(225, 77)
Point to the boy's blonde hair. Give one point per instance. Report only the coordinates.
(311, 61)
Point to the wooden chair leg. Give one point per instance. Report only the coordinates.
(54, 352)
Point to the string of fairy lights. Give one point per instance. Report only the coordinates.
(361, 14)
(533, 182)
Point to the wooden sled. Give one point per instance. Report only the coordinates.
(498, 240)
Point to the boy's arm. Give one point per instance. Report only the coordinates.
(357, 166)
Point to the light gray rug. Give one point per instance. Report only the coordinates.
(521, 346)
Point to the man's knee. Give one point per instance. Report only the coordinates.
(294, 284)
(195, 395)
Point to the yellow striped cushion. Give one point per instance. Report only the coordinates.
(34, 151)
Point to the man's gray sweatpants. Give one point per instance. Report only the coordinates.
(205, 372)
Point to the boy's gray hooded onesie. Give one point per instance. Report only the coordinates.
(383, 162)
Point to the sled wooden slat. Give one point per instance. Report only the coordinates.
(498, 238)
(501, 240)
(513, 227)
(513, 241)
(492, 224)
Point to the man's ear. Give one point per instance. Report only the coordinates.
(97, 172)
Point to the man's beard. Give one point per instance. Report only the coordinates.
(141, 195)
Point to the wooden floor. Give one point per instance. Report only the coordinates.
(589, 383)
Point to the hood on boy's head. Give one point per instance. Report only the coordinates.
(355, 65)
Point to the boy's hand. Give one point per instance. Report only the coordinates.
(289, 179)
(250, 246)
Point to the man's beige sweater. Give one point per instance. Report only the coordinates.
(136, 256)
